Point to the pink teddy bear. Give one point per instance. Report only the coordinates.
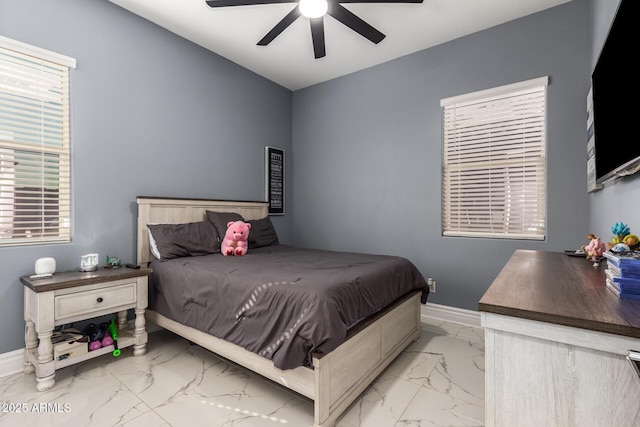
(235, 239)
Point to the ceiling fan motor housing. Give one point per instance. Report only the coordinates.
(315, 10)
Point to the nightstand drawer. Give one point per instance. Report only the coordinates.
(87, 302)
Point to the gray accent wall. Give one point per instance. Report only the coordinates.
(367, 150)
(619, 200)
(153, 115)
(156, 115)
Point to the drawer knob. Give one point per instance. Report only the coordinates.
(99, 299)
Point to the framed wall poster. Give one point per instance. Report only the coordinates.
(274, 179)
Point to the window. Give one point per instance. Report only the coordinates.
(494, 162)
(35, 199)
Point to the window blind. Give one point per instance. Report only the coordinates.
(494, 162)
(35, 198)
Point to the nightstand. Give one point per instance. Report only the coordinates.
(73, 296)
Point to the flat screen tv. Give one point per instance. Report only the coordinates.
(614, 85)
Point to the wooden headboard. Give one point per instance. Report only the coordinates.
(155, 210)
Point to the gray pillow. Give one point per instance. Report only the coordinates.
(182, 240)
(262, 233)
(220, 221)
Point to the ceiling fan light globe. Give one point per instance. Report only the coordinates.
(313, 8)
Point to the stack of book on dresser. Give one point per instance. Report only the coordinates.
(623, 274)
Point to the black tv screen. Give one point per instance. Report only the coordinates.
(614, 84)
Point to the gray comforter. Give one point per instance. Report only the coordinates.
(281, 302)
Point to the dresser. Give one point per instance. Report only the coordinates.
(556, 341)
(69, 297)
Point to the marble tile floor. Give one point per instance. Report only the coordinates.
(437, 381)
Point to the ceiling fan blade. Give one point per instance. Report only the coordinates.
(317, 35)
(280, 26)
(356, 24)
(381, 1)
(225, 3)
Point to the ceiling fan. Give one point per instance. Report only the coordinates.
(315, 10)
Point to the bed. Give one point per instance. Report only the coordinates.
(331, 366)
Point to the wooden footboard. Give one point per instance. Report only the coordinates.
(300, 380)
(337, 378)
(343, 374)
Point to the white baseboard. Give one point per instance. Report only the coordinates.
(451, 314)
(11, 362)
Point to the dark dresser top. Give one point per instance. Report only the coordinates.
(555, 288)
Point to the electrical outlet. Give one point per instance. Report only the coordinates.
(432, 285)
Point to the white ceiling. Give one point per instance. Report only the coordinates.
(233, 32)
